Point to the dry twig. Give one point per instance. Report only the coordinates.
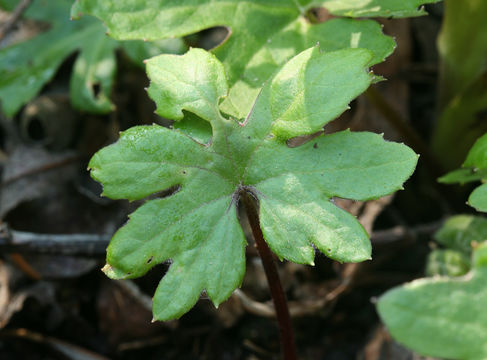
(14, 17)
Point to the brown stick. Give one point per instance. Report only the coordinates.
(16, 14)
(288, 345)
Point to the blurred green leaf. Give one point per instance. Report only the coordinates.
(447, 263)
(461, 231)
(27, 66)
(441, 316)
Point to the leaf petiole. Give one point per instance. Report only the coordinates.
(288, 344)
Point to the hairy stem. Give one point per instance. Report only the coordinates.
(288, 345)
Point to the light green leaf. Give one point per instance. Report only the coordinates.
(447, 263)
(474, 168)
(478, 198)
(461, 231)
(194, 82)
(263, 34)
(464, 175)
(26, 67)
(376, 8)
(292, 115)
(197, 227)
(442, 317)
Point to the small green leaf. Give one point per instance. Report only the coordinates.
(27, 66)
(478, 198)
(461, 231)
(442, 317)
(474, 168)
(464, 175)
(447, 263)
(197, 227)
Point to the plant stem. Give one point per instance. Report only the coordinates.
(288, 345)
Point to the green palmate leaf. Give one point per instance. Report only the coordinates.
(473, 169)
(197, 227)
(26, 67)
(263, 34)
(442, 317)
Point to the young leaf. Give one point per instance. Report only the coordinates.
(197, 227)
(263, 34)
(460, 232)
(26, 67)
(447, 262)
(441, 317)
(473, 169)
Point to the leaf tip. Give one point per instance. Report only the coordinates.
(106, 268)
(76, 16)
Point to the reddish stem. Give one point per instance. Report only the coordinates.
(288, 345)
